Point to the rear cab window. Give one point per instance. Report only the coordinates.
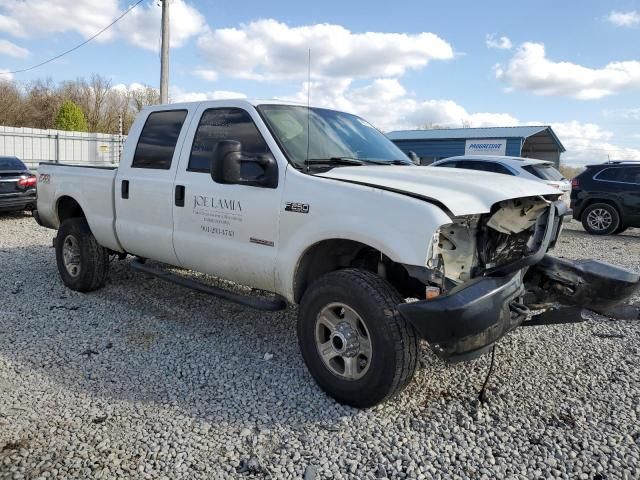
(158, 139)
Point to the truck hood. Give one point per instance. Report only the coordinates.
(462, 192)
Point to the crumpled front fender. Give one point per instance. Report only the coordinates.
(591, 284)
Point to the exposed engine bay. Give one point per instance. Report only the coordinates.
(472, 245)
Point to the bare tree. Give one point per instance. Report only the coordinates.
(10, 103)
(36, 104)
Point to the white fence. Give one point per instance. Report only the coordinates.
(33, 145)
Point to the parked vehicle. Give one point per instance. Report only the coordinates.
(530, 168)
(17, 185)
(321, 209)
(606, 197)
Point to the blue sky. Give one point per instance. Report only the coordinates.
(574, 65)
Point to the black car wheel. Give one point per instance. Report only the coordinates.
(357, 346)
(621, 229)
(600, 219)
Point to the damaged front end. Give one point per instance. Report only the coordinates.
(491, 268)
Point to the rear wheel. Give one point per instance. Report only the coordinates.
(357, 346)
(82, 263)
(600, 219)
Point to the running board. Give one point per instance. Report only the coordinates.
(269, 304)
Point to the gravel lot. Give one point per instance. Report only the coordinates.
(145, 379)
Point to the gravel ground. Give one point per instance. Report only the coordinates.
(144, 379)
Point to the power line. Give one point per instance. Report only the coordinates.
(79, 45)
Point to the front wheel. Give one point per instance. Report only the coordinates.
(357, 346)
(600, 219)
(82, 263)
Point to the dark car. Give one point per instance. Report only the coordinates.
(17, 186)
(606, 197)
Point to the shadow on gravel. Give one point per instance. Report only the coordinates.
(14, 215)
(143, 340)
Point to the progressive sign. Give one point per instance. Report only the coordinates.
(485, 147)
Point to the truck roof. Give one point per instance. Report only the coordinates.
(229, 101)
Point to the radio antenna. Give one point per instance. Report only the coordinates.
(308, 108)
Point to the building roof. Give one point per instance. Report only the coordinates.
(487, 132)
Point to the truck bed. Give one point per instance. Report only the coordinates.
(90, 186)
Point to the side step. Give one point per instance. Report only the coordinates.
(273, 304)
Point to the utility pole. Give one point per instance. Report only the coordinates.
(164, 54)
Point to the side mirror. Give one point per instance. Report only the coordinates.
(227, 161)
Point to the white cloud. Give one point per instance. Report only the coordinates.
(531, 70)
(4, 75)
(588, 143)
(624, 113)
(206, 74)
(268, 49)
(12, 50)
(11, 26)
(388, 106)
(502, 43)
(42, 17)
(140, 27)
(624, 19)
(178, 95)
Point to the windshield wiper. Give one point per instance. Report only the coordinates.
(334, 161)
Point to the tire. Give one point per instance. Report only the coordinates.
(386, 343)
(620, 229)
(87, 263)
(600, 219)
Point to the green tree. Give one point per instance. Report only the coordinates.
(70, 117)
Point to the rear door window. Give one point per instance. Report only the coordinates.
(620, 174)
(481, 166)
(448, 164)
(158, 139)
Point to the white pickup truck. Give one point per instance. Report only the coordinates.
(320, 209)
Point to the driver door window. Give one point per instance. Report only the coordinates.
(218, 124)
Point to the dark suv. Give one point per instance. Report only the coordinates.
(606, 197)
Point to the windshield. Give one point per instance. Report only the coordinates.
(11, 163)
(545, 172)
(334, 135)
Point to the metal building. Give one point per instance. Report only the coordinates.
(528, 141)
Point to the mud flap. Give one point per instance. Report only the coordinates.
(591, 284)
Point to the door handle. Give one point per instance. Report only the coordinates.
(179, 196)
(124, 189)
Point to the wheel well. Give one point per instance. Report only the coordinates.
(335, 254)
(69, 208)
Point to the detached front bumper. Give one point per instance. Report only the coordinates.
(467, 321)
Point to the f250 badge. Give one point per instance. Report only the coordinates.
(44, 178)
(296, 207)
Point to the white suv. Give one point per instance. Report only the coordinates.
(532, 169)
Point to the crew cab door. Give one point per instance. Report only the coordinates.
(144, 185)
(226, 230)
